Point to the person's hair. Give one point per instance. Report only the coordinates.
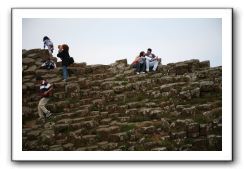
(142, 53)
(149, 49)
(45, 38)
(38, 78)
(65, 48)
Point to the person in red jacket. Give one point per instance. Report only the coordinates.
(139, 63)
(44, 91)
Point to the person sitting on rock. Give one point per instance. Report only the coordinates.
(152, 61)
(48, 43)
(140, 63)
(49, 64)
(63, 54)
(44, 91)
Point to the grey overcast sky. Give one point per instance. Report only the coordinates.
(102, 41)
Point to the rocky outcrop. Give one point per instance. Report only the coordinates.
(109, 107)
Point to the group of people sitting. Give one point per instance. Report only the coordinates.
(146, 62)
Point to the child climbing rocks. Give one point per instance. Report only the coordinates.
(48, 43)
(45, 91)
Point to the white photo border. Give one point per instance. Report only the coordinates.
(224, 13)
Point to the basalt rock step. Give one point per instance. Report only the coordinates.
(110, 108)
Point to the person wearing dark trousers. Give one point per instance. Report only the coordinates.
(140, 63)
(63, 54)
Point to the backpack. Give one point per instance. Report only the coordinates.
(71, 60)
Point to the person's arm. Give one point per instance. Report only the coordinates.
(148, 58)
(49, 90)
(44, 64)
(136, 60)
(43, 94)
(154, 57)
(60, 55)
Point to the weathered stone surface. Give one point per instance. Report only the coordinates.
(109, 108)
(98, 102)
(120, 97)
(159, 149)
(112, 146)
(61, 127)
(165, 125)
(181, 68)
(167, 87)
(68, 146)
(119, 137)
(200, 144)
(185, 95)
(72, 88)
(60, 95)
(33, 134)
(193, 128)
(56, 148)
(204, 64)
(105, 131)
(206, 86)
(119, 89)
(133, 111)
(178, 125)
(106, 121)
(122, 61)
(30, 70)
(191, 111)
(148, 130)
(213, 113)
(28, 61)
(177, 135)
(89, 124)
(195, 92)
(30, 145)
(48, 137)
(55, 80)
(214, 142)
(89, 139)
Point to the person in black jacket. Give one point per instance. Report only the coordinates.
(63, 54)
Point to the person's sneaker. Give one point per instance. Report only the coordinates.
(48, 114)
(137, 73)
(142, 72)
